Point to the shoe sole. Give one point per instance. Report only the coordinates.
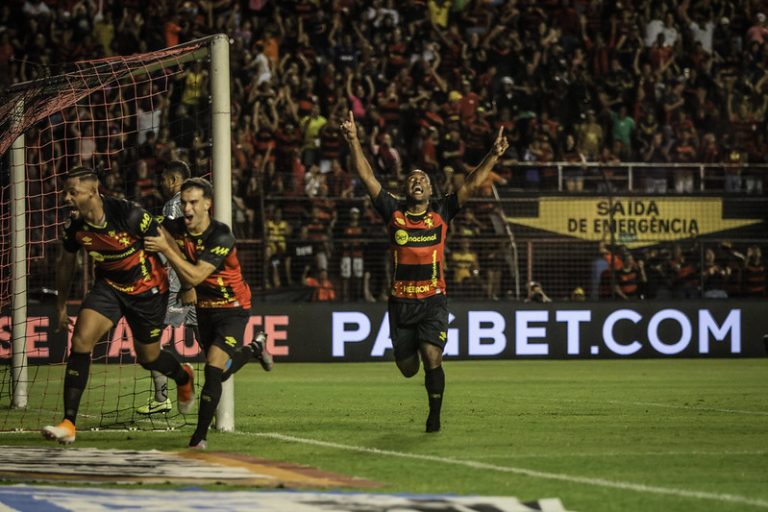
(158, 411)
(53, 437)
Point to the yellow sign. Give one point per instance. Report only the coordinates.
(635, 221)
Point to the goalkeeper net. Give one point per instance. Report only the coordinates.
(127, 117)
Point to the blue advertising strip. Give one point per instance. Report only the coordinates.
(50, 499)
(482, 330)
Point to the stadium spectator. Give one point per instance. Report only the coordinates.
(324, 289)
(418, 311)
(464, 265)
(352, 266)
(754, 273)
(630, 278)
(714, 277)
(536, 293)
(207, 263)
(685, 274)
(656, 177)
(134, 285)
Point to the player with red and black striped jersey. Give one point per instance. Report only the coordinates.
(130, 282)
(203, 253)
(417, 227)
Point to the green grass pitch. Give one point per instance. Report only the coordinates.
(672, 435)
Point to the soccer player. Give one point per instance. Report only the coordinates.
(129, 282)
(202, 250)
(417, 226)
(180, 305)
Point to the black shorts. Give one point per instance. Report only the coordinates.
(144, 313)
(223, 327)
(411, 323)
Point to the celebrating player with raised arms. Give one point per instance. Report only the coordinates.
(417, 226)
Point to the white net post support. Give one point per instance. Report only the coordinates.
(222, 181)
(19, 262)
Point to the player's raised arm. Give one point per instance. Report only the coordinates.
(359, 162)
(480, 173)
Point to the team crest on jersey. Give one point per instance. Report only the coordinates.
(428, 221)
(123, 239)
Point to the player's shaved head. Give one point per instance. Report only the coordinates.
(82, 173)
(429, 180)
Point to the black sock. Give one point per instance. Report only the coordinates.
(434, 382)
(75, 380)
(239, 359)
(209, 400)
(170, 367)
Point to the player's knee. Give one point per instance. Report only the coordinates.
(408, 367)
(150, 365)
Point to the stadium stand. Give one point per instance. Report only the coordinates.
(599, 99)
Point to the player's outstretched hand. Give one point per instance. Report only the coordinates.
(349, 128)
(159, 243)
(501, 144)
(63, 322)
(155, 243)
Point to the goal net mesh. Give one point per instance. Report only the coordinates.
(127, 117)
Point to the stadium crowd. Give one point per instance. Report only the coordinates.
(430, 82)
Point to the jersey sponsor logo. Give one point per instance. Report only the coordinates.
(400, 221)
(415, 288)
(120, 288)
(97, 256)
(86, 240)
(146, 220)
(220, 251)
(402, 237)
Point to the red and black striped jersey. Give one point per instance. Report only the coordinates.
(117, 247)
(418, 243)
(225, 287)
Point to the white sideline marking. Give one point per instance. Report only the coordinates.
(756, 453)
(599, 482)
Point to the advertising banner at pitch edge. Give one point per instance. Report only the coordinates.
(360, 332)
